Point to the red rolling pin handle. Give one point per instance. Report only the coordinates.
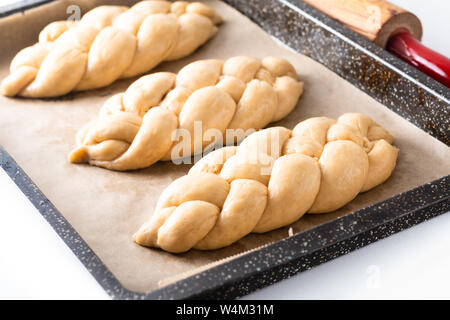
(409, 49)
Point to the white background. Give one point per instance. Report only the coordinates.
(36, 264)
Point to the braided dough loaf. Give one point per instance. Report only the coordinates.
(271, 180)
(108, 43)
(136, 128)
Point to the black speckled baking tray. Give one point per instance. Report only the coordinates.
(405, 90)
(20, 6)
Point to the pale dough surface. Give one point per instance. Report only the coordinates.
(271, 180)
(108, 43)
(163, 116)
(107, 207)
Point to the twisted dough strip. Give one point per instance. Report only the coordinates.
(271, 180)
(108, 43)
(135, 128)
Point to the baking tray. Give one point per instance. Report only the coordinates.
(406, 91)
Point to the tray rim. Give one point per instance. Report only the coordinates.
(206, 284)
(396, 64)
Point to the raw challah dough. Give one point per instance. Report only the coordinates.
(108, 43)
(136, 128)
(271, 180)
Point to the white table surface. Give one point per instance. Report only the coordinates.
(412, 264)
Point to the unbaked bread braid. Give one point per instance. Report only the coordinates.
(271, 180)
(136, 128)
(108, 43)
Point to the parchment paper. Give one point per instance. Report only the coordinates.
(107, 207)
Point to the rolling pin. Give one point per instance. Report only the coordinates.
(392, 28)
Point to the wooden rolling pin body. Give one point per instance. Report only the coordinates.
(377, 20)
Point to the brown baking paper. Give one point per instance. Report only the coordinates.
(107, 207)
